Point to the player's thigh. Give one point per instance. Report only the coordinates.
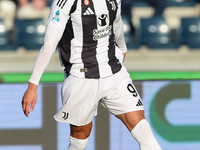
(80, 101)
(122, 96)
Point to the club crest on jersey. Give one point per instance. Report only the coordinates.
(86, 2)
(56, 16)
(112, 3)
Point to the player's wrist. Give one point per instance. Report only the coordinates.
(32, 86)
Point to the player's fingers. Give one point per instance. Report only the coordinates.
(32, 106)
(26, 110)
(23, 105)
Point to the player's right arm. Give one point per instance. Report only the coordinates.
(52, 37)
(55, 27)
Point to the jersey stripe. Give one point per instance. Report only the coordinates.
(65, 42)
(113, 61)
(61, 3)
(64, 4)
(89, 23)
(65, 46)
(58, 2)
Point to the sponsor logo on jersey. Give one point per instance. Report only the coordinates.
(139, 103)
(88, 11)
(86, 2)
(56, 16)
(98, 34)
(103, 20)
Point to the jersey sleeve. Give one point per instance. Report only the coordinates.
(119, 31)
(60, 13)
(52, 37)
(58, 17)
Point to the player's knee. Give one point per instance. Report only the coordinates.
(81, 132)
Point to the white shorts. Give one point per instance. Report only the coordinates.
(81, 97)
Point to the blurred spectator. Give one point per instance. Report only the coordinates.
(30, 9)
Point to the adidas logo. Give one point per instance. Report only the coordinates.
(88, 11)
(139, 103)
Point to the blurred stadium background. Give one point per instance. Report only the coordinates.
(163, 60)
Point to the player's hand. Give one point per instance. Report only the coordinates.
(29, 99)
(124, 54)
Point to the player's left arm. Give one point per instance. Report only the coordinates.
(119, 31)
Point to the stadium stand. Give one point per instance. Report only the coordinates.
(3, 35)
(174, 3)
(7, 9)
(156, 33)
(190, 32)
(29, 33)
(166, 36)
(181, 3)
(132, 40)
(140, 3)
(5, 40)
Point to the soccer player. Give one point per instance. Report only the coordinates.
(91, 43)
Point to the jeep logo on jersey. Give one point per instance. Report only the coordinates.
(103, 20)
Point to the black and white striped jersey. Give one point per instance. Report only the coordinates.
(92, 42)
